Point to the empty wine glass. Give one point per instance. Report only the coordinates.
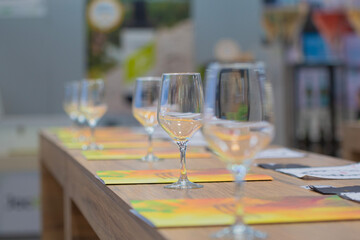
(179, 114)
(92, 106)
(237, 124)
(71, 102)
(144, 108)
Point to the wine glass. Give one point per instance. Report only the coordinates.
(81, 122)
(71, 102)
(92, 106)
(237, 124)
(179, 114)
(144, 108)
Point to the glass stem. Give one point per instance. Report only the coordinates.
(183, 173)
(92, 136)
(239, 172)
(81, 124)
(150, 147)
(239, 206)
(74, 130)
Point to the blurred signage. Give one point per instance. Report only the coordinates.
(19, 203)
(140, 62)
(105, 15)
(23, 8)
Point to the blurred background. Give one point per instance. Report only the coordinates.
(311, 50)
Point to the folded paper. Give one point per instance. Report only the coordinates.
(349, 192)
(351, 171)
(334, 190)
(353, 196)
(275, 166)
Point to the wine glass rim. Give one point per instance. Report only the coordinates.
(148, 79)
(240, 65)
(184, 73)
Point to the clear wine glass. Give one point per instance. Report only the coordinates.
(82, 124)
(237, 124)
(92, 106)
(179, 114)
(71, 102)
(144, 108)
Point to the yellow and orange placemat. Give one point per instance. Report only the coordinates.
(128, 154)
(101, 134)
(121, 145)
(211, 212)
(171, 175)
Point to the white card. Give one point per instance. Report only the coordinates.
(317, 186)
(279, 153)
(339, 172)
(354, 196)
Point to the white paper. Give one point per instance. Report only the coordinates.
(354, 196)
(280, 153)
(339, 172)
(317, 186)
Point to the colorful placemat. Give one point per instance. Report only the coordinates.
(172, 175)
(104, 138)
(128, 154)
(101, 134)
(70, 131)
(211, 212)
(120, 145)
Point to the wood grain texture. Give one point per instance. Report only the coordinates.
(106, 208)
(52, 206)
(80, 228)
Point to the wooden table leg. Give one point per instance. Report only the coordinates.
(52, 206)
(76, 226)
(80, 228)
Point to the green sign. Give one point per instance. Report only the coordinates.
(140, 62)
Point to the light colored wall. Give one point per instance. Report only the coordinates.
(217, 19)
(37, 55)
(240, 20)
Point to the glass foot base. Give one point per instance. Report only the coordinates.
(183, 184)
(150, 158)
(92, 146)
(239, 232)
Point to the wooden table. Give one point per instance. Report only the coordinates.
(351, 138)
(76, 205)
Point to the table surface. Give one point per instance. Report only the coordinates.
(106, 208)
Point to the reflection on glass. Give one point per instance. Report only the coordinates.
(284, 23)
(237, 125)
(92, 106)
(144, 108)
(333, 25)
(179, 114)
(71, 102)
(353, 16)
